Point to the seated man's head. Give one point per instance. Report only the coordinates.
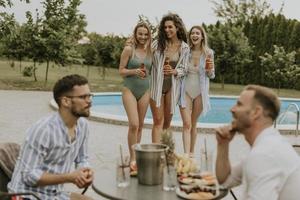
(72, 93)
(256, 104)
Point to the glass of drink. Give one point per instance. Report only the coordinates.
(206, 161)
(167, 61)
(122, 171)
(169, 178)
(143, 69)
(166, 64)
(208, 62)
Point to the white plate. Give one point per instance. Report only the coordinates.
(195, 196)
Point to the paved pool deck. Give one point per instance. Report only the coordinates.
(20, 109)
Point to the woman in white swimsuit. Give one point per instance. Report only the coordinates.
(195, 87)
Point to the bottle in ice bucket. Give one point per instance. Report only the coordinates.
(143, 68)
(208, 62)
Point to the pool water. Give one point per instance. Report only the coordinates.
(220, 112)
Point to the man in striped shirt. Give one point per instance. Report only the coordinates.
(54, 143)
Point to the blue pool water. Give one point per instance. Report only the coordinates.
(220, 112)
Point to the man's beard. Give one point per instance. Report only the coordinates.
(241, 123)
(83, 113)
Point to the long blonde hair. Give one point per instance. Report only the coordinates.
(204, 43)
(135, 42)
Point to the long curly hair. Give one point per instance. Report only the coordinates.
(204, 42)
(162, 36)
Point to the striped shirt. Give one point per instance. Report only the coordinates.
(48, 148)
(204, 83)
(157, 75)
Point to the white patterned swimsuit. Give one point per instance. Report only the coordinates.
(192, 86)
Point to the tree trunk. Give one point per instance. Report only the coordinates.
(12, 63)
(47, 69)
(34, 69)
(20, 65)
(87, 71)
(103, 73)
(235, 75)
(222, 81)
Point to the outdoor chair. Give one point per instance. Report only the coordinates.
(8, 156)
(232, 194)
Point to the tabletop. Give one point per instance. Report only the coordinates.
(105, 185)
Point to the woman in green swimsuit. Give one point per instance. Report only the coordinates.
(134, 67)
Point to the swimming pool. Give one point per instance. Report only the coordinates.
(111, 105)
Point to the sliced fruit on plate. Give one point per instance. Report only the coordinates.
(185, 164)
(195, 195)
(198, 179)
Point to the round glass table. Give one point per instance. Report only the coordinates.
(105, 185)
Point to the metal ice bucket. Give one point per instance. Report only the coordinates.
(150, 159)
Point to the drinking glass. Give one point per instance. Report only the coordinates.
(169, 178)
(143, 68)
(208, 62)
(123, 171)
(206, 161)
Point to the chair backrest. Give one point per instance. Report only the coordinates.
(4, 180)
(9, 153)
(8, 156)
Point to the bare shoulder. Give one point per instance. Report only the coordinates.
(127, 50)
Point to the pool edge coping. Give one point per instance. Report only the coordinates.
(175, 125)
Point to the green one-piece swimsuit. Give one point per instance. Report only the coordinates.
(138, 86)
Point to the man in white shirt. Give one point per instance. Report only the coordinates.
(272, 168)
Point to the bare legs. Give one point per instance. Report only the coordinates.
(186, 120)
(190, 115)
(161, 116)
(136, 111)
(196, 111)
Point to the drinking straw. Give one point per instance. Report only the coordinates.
(167, 164)
(122, 162)
(205, 153)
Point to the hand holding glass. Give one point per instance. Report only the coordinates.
(143, 70)
(209, 64)
(167, 68)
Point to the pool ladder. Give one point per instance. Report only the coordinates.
(281, 117)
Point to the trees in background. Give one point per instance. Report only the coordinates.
(249, 41)
(280, 67)
(232, 53)
(62, 27)
(103, 51)
(239, 12)
(8, 3)
(51, 37)
(263, 29)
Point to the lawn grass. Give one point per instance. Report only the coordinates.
(12, 79)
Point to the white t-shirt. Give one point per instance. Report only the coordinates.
(271, 171)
